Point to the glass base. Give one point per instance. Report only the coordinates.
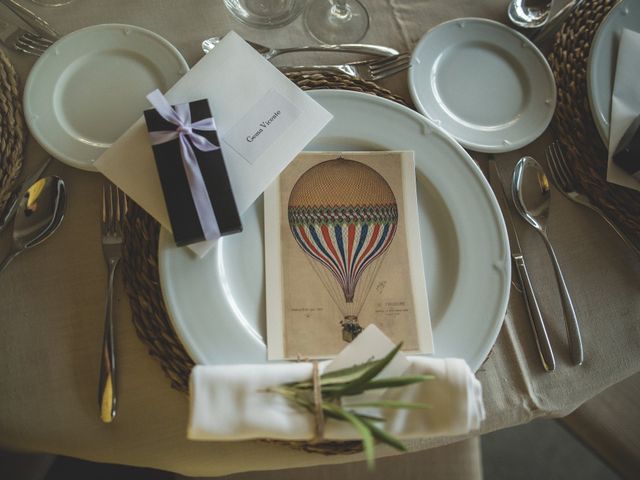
(264, 13)
(331, 24)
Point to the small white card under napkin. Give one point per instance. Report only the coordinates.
(229, 402)
(625, 104)
(264, 120)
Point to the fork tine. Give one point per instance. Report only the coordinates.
(37, 39)
(551, 163)
(390, 71)
(28, 49)
(104, 208)
(562, 169)
(388, 61)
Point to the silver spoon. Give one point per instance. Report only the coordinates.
(39, 214)
(268, 53)
(532, 195)
(529, 13)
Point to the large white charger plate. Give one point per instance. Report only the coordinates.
(217, 304)
(486, 84)
(603, 56)
(91, 85)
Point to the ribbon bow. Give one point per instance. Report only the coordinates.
(180, 116)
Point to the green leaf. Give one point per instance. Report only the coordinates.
(364, 430)
(384, 436)
(391, 404)
(374, 369)
(391, 382)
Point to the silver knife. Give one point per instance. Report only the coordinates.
(36, 22)
(12, 203)
(535, 316)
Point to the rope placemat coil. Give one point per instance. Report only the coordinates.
(12, 129)
(573, 121)
(142, 279)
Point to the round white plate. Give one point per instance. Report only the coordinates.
(217, 304)
(91, 85)
(601, 66)
(485, 84)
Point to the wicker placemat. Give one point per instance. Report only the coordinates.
(12, 129)
(140, 263)
(573, 122)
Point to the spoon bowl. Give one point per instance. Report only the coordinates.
(40, 213)
(532, 198)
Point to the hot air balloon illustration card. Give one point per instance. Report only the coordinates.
(342, 251)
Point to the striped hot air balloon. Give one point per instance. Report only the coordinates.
(344, 216)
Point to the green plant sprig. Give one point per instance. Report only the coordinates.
(354, 381)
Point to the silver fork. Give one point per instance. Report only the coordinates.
(114, 207)
(564, 180)
(369, 70)
(22, 40)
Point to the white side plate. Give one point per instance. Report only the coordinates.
(603, 56)
(485, 84)
(90, 86)
(217, 304)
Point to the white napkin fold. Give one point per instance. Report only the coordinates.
(625, 103)
(229, 403)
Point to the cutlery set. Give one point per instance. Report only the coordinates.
(530, 197)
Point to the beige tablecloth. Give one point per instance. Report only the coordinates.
(52, 299)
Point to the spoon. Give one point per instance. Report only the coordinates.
(268, 53)
(39, 214)
(532, 195)
(529, 13)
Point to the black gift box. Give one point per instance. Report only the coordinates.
(184, 218)
(627, 155)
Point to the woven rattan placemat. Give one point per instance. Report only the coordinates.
(12, 129)
(573, 122)
(140, 262)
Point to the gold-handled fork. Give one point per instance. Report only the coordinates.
(564, 180)
(369, 70)
(22, 40)
(114, 208)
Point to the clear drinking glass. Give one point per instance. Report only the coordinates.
(336, 21)
(265, 13)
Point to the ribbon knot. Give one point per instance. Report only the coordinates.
(180, 116)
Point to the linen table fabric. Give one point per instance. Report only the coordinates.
(52, 299)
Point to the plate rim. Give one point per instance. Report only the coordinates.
(499, 147)
(603, 129)
(166, 242)
(32, 77)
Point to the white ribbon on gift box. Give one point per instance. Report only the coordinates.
(180, 116)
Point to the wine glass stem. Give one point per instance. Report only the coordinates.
(340, 9)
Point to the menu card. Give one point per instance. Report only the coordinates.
(264, 121)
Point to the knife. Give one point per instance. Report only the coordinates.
(12, 203)
(533, 310)
(37, 23)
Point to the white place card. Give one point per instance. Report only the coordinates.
(239, 84)
(261, 126)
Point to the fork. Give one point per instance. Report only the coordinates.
(22, 40)
(564, 180)
(369, 70)
(114, 207)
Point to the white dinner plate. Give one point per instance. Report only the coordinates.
(91, 85)
(601, 66)
(486, 84)
(217, 304)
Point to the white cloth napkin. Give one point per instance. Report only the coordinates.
(229, 403)
(625, 103)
